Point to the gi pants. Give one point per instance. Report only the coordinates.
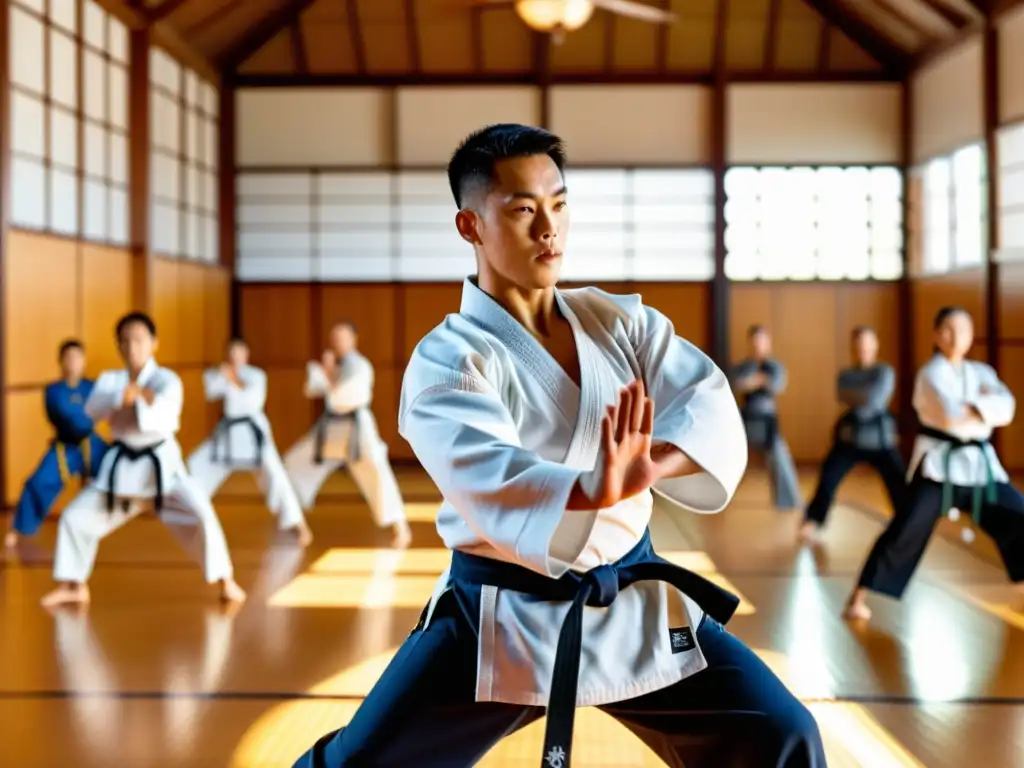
(840, 460)
(47, 482)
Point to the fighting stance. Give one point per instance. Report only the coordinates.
(546, 417)
(242, 441)
(866, 432)
(958, 402)
(142, 470)
(76, 451)
(346, 435)
(758, 380)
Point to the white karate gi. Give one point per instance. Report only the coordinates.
(237, 449)
(371, 469)
(87, 518)
(941, 392)
(505, 433)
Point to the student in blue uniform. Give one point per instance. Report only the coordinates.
(76, 449)
(866, 432)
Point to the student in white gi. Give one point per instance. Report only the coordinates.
(546, 417)
(346, 435)
(243, 441)
(142, 470)
(959, 402)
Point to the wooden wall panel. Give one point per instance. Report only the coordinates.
(289, 412)
(1011, 371)
(106, 297)
(26, 433)
(965, 288)
(165, 310)
(41, 303)
(191, 311)
(810, 325)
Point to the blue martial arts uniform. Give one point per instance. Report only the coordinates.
(76, 451)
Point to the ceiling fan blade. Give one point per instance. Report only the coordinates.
(636, 10)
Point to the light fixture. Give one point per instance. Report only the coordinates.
(557, 16)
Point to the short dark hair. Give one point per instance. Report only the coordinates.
(133, 318)
(237, 340)
(346, 324)
(70, 344)
(471, 168)
(755, 329)
(945, 313)
(860, 330)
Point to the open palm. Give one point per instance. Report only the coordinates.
(627, 467)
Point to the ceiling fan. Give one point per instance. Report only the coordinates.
(558, 17)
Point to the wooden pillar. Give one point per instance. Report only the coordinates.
(905, 307)
(5, 185)
(990, 93)
(139, 170)
(227, 209)
(719, 303)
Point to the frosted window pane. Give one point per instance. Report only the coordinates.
(95, 151)
(26, 56)
(364, 242)
(27, 126)
(212, 240)
(95, 23)
(340, 214)
(274, 213)
(660, 185)
(193, 235)
(118, 97)
(95, 86)
(1010, 141)
(190, 87)
(210, 144)
(63, 14)
(166, 227)
(63, 202)
(284, 267)
(63, 138)
(118, 40)
(28, 198)
(63, 70)
(118, 216)
(1011, 187)
(95, 213)
(355, 269)
(1012, 230)
(118, 158)
(192, 188)
(886, 265)
(968, 170)
(210, 103)
(192, 136)
(276, 185)
(167, 122)
(210, 195)
(742, 183)
(165, 177)
(275, 240)
(937, 217)
(447, 268)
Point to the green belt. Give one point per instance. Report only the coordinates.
(979, 493)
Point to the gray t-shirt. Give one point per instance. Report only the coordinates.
(867, 393)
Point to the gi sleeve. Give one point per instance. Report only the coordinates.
(997, 404)
(254, 389)
(874, 398)
(466, 439)
(105, 397)
(694, 410)
(163, 415)
(215, 386)
(317, 383)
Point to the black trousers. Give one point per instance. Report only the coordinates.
(844, 457)
(422, 713)
(899, 549)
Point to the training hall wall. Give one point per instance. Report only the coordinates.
(112, 206)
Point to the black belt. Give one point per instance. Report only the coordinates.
(978, 492)
(597, 587)
(72, 438)
(857, 423)
(120, 450)
(223, 429)
(321, 434)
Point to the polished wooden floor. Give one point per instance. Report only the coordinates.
(154, 674)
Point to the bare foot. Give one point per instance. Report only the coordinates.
(230, 592)
(810, 533)
(856, 609)
(66, 594)
(403, 535)
(304, 533)
(11, 539)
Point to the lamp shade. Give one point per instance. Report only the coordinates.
(548, 15)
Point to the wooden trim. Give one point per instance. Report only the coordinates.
(260, 34)
(227, 213)
(663, 42)
(905, 306)
(824, 46)
(951, 16)
(139, 150)
(412, 36)
(469, 79)
(718, 306)
(609, 42)
(162, 11)
(881, 48)
(5, 196)
(196, 28)
(476, 21)
(771, 35)
(990, 93)
(355, 31)
(301, 60)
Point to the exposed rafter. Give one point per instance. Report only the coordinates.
(261, 34)
(884, 51)
(165, 9)
(771, 34)
(299, 46)
(355, 30)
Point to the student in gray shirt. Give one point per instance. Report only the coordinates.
(866, 432)
(757, 381)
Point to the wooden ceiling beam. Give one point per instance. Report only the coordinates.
(260, 34)
(299, 56)
(661, 45)
(771, 34)
(883, 50)
(199, 26)
(412, 35)
(609, 41)
(893, 10)
(355, 31)
(718, 63)
(824, 46)
(162, 11)
(953, 17)
(476, 20)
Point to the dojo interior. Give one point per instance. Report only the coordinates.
(269, 168)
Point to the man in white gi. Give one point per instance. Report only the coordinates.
(346, 435)
(142, 470)
(546, 418)
(243, 441)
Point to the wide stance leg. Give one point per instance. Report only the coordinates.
(377, 482)
(840, 460)
(1004, 522)
(282, 500)
(734, 714)
(201, 534)
(208, 474)
(305, 474)
(894, 474)
(40, 491)
(422, 711)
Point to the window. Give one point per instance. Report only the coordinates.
(1011, 192)
(813, 223)
(954, 211)
(184, 194)
(328, 225)
(69, 144)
